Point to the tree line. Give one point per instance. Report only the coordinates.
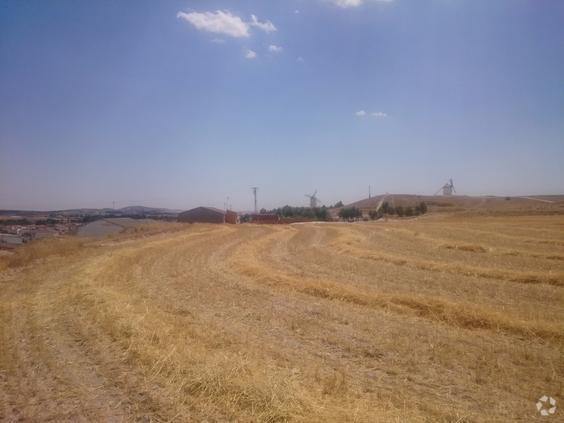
(345, 213)
(352, 213)
(289, 212)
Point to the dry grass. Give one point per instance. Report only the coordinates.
(42, 249)
(435, 319)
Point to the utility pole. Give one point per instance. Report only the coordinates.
(255, 189)
(369, 191)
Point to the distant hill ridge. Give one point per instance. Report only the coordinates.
(129, 210)
(477, 204)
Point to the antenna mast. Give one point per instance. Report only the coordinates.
(255, 189)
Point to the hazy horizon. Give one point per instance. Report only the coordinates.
(249, 208)
(185, 103)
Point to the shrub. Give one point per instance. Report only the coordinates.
(348, 213)
(374, 214)
(318, 213)
(422, 207)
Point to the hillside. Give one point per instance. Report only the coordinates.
(437, 319)
(487, 205)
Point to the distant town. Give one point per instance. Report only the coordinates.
(18, 227)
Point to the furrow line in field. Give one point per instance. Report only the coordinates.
(140, 326)
(246, 261)
(465, 246)
(345, 245)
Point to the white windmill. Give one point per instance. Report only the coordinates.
(313, 200)
(447, 189)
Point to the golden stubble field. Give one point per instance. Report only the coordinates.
(431, 319)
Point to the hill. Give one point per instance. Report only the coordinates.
(548, 204)
(126, 211)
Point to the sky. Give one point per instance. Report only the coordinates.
(185, 103)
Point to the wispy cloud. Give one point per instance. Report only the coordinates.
(219, 22)
(275, 49)
(345, 4)
(265, 26)
(250, 54)
(363, 113)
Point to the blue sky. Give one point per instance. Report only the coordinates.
(183, 103)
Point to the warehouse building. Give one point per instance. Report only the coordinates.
(208, 215)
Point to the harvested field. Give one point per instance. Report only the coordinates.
(440, 318)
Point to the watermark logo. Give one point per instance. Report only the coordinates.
(546, 405)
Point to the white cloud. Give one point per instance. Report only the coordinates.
(220, 22)
(347, 3)
(300, 59)
(226, 23)
(250, 54)
(355, 3)
(266, 26)
(275, 49)
(362, 113)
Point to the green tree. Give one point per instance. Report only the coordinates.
(423, 207)
(348, 213)
(318, 213)
(321, 213)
